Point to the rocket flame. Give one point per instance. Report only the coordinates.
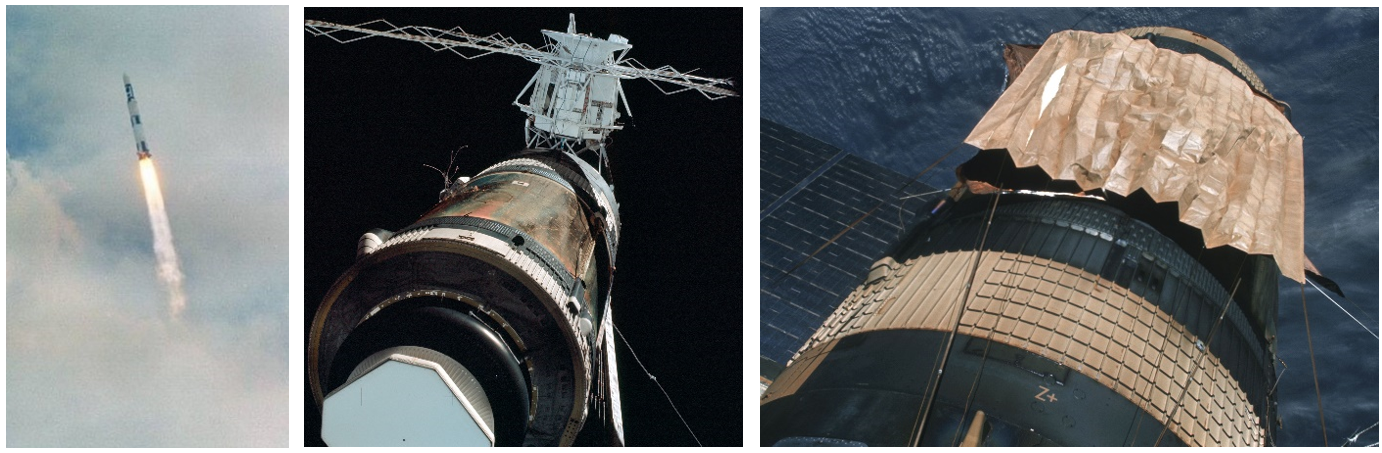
(168, 269)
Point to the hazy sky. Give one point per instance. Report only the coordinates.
(92, 359)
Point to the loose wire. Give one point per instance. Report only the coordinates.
(1341, 307)
(1354, 438)
(659, 384)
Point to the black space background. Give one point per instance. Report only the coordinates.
(378, 109)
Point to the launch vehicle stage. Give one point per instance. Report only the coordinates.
(141, 147)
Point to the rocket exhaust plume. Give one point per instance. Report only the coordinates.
(168, 269)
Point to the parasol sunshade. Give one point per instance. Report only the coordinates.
(1107, 111)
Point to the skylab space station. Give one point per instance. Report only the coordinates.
(1103, 273)
(487, 321)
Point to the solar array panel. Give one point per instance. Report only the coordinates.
(809, 192)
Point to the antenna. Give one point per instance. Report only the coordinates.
(574, 94)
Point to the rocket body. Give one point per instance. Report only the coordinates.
(141, 146)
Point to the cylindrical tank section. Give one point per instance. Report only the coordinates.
(1081, 326)
(495, 302)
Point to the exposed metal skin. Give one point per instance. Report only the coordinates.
(542, 207)
(526, 248)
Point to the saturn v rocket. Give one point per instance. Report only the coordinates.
(141, 147)
(1105, 274)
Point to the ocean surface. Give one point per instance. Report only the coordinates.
(900, 87)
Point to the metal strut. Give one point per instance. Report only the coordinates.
(575, 94)
(455, 39)
(1319, 400)
(1204, 352)
(934, 386)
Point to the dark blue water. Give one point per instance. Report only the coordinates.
(901, 87)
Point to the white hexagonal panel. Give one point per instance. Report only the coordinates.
(404, 401)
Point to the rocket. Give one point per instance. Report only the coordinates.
(141, 147)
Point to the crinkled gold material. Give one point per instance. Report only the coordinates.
(1125, 115)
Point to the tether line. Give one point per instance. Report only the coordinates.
(1319, 401)
(659, 384)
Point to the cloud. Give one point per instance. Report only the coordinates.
(92, 357)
